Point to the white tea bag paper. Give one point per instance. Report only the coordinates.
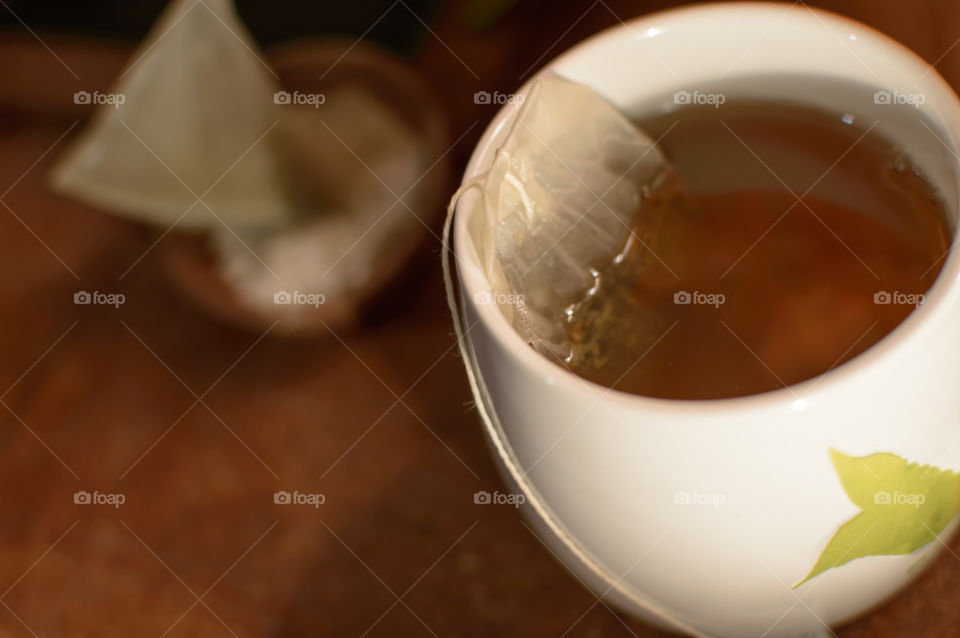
(558, 202)
(194, 122)
(364, 166)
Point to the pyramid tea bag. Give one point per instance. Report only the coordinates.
(559, 202)
(317, 197)
(194, 123)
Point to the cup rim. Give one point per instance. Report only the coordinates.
(473, 280)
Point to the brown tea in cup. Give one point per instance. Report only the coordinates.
(791, 240)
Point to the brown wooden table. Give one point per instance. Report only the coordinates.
(198, 425)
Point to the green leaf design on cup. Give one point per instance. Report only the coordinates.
(903, 507)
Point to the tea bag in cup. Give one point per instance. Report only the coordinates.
(559, 201)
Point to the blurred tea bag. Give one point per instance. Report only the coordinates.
(196, 114)
(559, 202)
(365, 165)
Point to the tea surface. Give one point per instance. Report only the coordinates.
(790, 242)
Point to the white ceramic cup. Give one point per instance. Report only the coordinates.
(703, 515)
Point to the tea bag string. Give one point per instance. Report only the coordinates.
(494, 431)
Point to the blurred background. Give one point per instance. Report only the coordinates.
(186, 425)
